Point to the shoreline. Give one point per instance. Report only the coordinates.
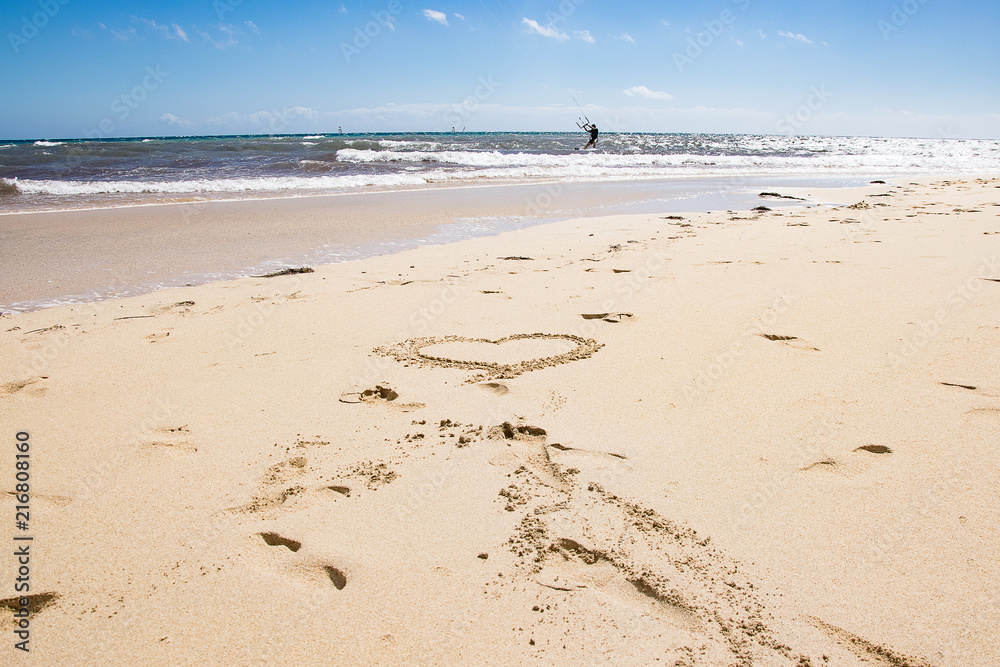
(445, 186)
(74, 256)
(712, 438)
(440, 187)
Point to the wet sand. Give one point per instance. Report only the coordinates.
(85, 255)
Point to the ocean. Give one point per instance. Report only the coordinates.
(50, 175)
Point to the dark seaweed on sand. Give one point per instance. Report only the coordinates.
(287, 272)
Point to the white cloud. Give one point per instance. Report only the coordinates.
(253, 27)
(172, 31)
(304, 112)
(584, 35)
(228, 40)
(162, 29)
(171, 119)
(281, 119)
(459, 17)
(795, 36)
(546, 31)
(432, 15)
(124, 35)
(643, 91)
(343, 9)
(626, 38)
(665, 23)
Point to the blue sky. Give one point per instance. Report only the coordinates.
(76, 68)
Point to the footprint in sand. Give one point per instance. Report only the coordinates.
(11, 388)
(276, 540)
(37, 602)
(179, 307)
(527, 446)
(826, 463)
(311, 570)
(866, 650)
(285, 470)
(170, 439)
(586, 452)
(283, 475)
(791, 341)
(374, 474)
(613, 318)
(851, 467)
(874, 449)
(266, 504)
(336, 576)
(585, 567)
(380, 395)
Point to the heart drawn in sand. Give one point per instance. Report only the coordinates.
(505, 357)
(501, 352)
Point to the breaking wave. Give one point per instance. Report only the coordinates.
(8, 188)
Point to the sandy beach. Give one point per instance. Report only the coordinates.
(727, 438)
